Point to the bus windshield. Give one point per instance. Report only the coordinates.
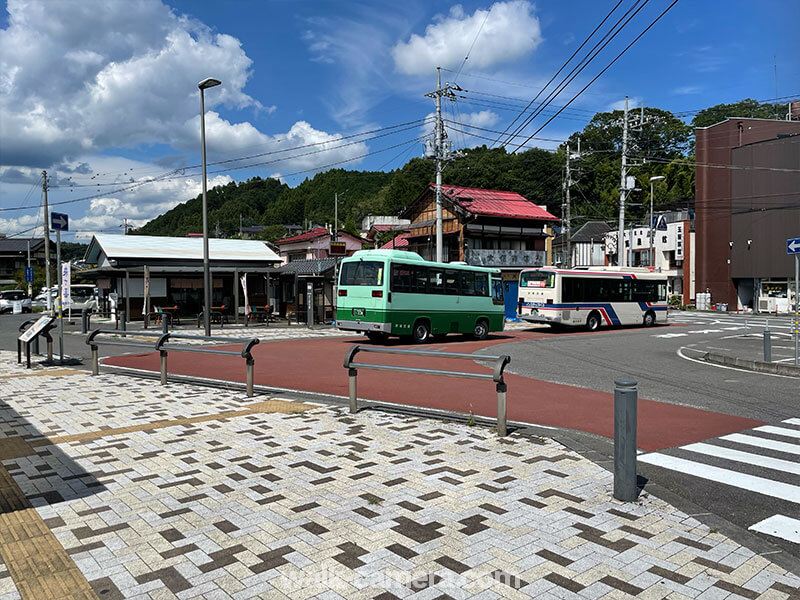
(363, 272)
(537, 279)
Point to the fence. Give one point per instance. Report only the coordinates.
(496, 376)
(163, 348)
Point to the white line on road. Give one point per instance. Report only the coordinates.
(759, 442)
(779, 431)
(792, 421)
(767, 487)
(780, 526)
(767, 462)
(708, 364)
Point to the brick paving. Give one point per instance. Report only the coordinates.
(113, 487)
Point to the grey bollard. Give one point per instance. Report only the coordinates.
(165, 324)
(502, 430)
(626, 396)
(767, 346)
(95, 360)
(249, 372)
(85, 321)
(353, 376)
(123, 320)
(163, 367)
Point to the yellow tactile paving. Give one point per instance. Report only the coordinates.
(35, 559)
(51, 373)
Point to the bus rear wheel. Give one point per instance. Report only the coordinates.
(481, 330)
(421, 332)
(649, 318)
(593, 321)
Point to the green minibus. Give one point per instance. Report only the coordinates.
(398, 293)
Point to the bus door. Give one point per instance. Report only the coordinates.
(511, 292)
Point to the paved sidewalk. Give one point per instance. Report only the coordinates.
(112, 487)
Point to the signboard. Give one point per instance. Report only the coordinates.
(244, 289)
(59, 221)
(29, 274)
(793, 246)
(66, 276)
(338, 249)
(35, 329)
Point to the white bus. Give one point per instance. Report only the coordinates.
(592, 297)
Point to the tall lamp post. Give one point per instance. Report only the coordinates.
(652, 230)
(209, 82)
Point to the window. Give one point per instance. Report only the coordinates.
(436, 281)
(481, 284)
(419, 280)
(497, 291)
(663, 239)
(451, 282)
(401, 278)
(537, 279)
(363, 272)
(467, 283)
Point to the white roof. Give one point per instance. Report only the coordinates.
(179, 248)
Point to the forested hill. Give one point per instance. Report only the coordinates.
(664, 147)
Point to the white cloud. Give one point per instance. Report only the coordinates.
(687, 90)
(509, 31)
(633, 102)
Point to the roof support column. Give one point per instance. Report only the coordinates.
(236, 297)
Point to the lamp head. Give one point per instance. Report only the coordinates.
(657, 178)
(208, 82)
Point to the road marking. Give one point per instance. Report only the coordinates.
(768, 462)
(780, 526)
(766, 487)
(670, 335)
(708, 364)
(779, 431)
(759, 442)
(792, 421)
(706, 331)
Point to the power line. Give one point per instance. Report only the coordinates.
(488, 12)
(617, 57)
(563, 66)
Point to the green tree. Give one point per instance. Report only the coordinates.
(743, 108)
(272, 232)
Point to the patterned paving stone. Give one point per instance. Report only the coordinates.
(182, 492)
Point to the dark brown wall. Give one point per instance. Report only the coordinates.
(713, 219)
(765, 208)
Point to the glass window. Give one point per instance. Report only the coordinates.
(436, 281)
(543, 279)
(482, 284)
(467, 283)
(451, 282)
(401, 278)
(363, 272)
(497, 291)
(419, 280)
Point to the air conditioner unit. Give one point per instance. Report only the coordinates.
(766, 305)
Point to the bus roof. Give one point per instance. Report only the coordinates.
(643, 272)
(406, 256)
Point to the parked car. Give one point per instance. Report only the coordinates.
(8, 297)
(83, 296)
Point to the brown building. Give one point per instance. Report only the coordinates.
(747, 204)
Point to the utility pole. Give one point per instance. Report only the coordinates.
(30, 284)
(623, 189)
(442, 151)
(336, 216)
(46, 242)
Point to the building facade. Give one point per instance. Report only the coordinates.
(315, 243)
(747, 205)
(14, 257)
(587, 246)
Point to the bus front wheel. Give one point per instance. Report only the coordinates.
(421, 332)
(649, 319)
(593, 321)
(481, 330)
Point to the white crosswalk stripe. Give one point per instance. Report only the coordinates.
(761, 460)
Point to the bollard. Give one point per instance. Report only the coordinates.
(123, 320)
(625, 421)
(249, 368)
(50, 350)
(163, 367)
(95, 361)
(85, 321)
(767, 346)
(353, 374)
(165, 324)
(502, 388)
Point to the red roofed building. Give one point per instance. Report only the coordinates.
(315, 243)
(490, 228)
(399, 242)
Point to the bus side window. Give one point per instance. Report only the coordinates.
(497, 291)
(467, 283)
(481, 284)
(419, 280)
(401, 278)
(451, 282)
(436, 282)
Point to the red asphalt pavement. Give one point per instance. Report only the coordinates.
(316, 365)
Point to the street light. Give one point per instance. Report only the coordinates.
(652, 231)
(209, 82)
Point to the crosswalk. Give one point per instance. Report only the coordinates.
(762, 462)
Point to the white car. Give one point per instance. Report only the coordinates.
(9, 297)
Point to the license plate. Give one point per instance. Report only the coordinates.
(359, 312)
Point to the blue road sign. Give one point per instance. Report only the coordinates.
(793, 246)
(59, 221)
(29, 274)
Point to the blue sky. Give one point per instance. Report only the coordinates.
(105, 92)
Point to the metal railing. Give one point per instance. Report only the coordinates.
(496, 376)
(86, 318)
(163, 348)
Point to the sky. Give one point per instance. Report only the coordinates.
(102, 94)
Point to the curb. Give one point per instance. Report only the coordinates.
(752, 365)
